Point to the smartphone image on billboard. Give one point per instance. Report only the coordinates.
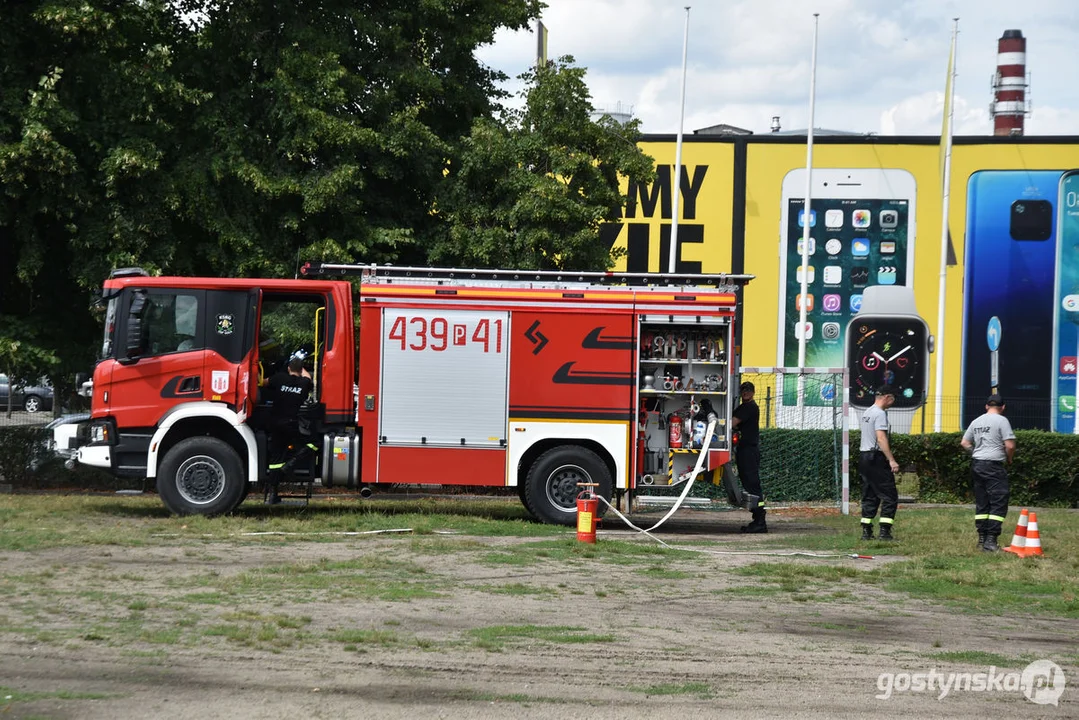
(1065, 358)
(1009, 259)
(866, 238)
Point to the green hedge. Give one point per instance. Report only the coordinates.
(1045, 470)
(797, 465)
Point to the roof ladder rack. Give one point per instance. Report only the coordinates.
(389, 273)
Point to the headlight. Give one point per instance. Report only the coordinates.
(99, 433)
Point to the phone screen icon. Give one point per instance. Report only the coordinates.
(854, 260)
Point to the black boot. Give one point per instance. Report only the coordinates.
(758, 525)
(272, 498)
(981, 539)
(886, 532)
(990, 544)
(867, 531)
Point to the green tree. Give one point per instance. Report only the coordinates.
(533, 190)
(88, 111)
(201, 137)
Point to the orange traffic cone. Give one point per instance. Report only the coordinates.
(1019, 539)
(1034, 539)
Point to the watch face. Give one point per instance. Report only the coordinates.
(889, 351)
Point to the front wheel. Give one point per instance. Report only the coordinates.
(31, 404)
(201, 476)
(551, 486)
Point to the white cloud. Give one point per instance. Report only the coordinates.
(881, 66)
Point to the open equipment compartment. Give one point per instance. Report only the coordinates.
(684, 377)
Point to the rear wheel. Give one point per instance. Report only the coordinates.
(551, 487)
(201, 476)
(31, 404)
(522, 492)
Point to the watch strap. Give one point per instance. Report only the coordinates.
(888, 300)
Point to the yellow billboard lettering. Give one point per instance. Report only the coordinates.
(639, 245)
(661, 188)
(659, 193)
(690, 188)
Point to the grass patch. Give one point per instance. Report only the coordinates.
(701, 690)
(517, 589)
(365, 637)
(519, 698)
(942, 563)
(979, 658)
(29, 522)
(569, 550)
(660, 572)
(496, 636)
(10, 695)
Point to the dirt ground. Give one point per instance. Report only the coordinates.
(198, 631)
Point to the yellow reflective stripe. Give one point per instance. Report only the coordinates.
(760, 504)
(983, 517)
(276, 466)
(998, 518)
(313, 447)
(887, 521)
(867, 521)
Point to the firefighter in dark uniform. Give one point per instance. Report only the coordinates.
(991, 442)
(877, 467)
(287, 390)
(746, 421)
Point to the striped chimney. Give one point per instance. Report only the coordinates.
(1009, 106)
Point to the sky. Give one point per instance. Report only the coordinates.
(881, 65)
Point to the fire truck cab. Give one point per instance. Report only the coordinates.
(537, 380)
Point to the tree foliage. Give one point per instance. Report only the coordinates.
(532, 190)
(223, 138)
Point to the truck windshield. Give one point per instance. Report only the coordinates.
(108, 344)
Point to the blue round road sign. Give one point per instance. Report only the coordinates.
(992, 334)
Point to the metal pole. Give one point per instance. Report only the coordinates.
(805, 221)
(945, 197)
(672, 253)
(808, 198)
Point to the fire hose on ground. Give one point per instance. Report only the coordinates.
(678, 503)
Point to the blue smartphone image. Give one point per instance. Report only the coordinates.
(1010, 260)
(1065, 358)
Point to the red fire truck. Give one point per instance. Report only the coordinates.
(535, 380)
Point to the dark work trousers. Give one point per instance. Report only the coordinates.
(991, 494)
(878, 487)
(748, 460)
(286, 448)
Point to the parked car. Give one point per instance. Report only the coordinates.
(32, 397)
(65, 434)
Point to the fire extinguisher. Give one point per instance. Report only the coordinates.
(674, 422)
(587, 510)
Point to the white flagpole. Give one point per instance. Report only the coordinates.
(672, 253)
(809, 193)
(805, 216)
(945, 197)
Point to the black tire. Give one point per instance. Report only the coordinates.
(201, 476)
(551, 487)
(31, 404)
(522, 492)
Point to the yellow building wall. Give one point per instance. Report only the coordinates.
(766, 165)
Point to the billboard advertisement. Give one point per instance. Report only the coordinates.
(875, 218)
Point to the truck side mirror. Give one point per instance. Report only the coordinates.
(134, 344)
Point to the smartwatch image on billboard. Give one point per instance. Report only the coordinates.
(887, 342)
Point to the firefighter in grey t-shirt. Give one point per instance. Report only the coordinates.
(877, 467)
(992, 443)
